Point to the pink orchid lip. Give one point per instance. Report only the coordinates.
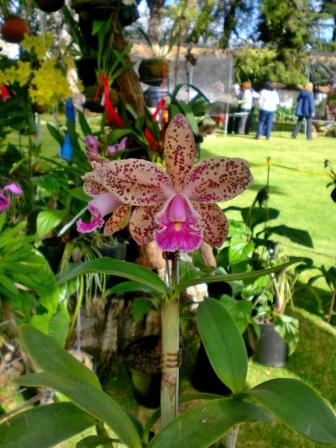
(178, 226)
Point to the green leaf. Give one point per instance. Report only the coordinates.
(55, 133)
(83, 123)
(298, 236)
(240, 310)
(90, 399)
(201, 278)
(223, 343)
(47, 221)
(300, 407)
(51, 357)
(124, 287)
(141, 306)
(205, 424)
(44, 426)
(94, 441)
(119, 268)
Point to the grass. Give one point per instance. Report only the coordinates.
(297, 185)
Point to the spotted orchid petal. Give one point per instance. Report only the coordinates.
(142, 223)
(101, 205)
(178, 226)
(217, 179)
(213, 222)
(13, 188)
(136, 182)
(4, 202)
(179, 150)
(93, 182)
(119, 219)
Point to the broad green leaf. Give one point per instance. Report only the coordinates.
(223, 343)
(240, 310)
(59, 324)
(206, 423)
(119, 268)
(50, 356)
(94, 441)
(47, 221)
(90, 399)
(201, 278)
(44, 426)
(300, 407)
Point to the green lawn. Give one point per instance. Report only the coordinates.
(297, 187)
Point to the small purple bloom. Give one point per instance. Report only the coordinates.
(113, 149)
(4, 201)
(13, 188)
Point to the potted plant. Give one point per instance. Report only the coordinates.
(50, 5)
(14, 28)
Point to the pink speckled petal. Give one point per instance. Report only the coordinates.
(178, 226)
(142, 223)
(213, 222)
(119, 219)
(136, 181)
(217, 179)
(179, 150)
(93, 183)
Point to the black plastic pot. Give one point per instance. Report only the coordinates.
(86, 69)
(271, 348)
(204, 378)
(143, 362)
(50, 5)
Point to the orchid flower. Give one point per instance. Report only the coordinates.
(176, 207)
(4, 201)
(113, 149)
(102, 204)
(92, 146)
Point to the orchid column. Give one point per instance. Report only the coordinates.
(177, 208)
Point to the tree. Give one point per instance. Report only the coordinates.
(155, 14)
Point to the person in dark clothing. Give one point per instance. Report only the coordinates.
(305, 108)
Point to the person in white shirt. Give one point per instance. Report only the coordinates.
(268, 103)
(247, 95)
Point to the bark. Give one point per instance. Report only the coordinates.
(155, 13)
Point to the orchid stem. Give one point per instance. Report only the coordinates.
(170, 349)
(80, 296)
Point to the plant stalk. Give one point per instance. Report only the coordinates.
(170, 352)
(232, 437)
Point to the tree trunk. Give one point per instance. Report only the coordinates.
(155, 13)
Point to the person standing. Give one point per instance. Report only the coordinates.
(268, 103)
(305, 108)
(247, 96)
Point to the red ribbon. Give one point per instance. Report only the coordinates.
(4, 92)
(160, 105)
(151, 140)
(112, 115)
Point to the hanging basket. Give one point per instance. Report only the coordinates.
(13, 29)
(153, 71)
(49, 5)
